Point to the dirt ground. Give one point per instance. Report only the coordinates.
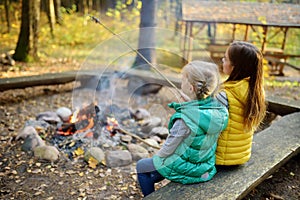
(24, 177)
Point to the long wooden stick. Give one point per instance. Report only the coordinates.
(136, 137)
(137, 52)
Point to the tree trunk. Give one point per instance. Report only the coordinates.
(27, 46)
(96, 5)
(58, 17)
(50, 15)
(147, 36)
(106, 4)
(146, 47)
(7, 5)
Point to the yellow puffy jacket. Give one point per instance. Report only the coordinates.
(234, 143)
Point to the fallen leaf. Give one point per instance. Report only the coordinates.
(79, 151)
(81, 174)
(92, 162)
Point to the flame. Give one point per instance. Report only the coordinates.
(111, 124)
(73, 118)
(89, 126)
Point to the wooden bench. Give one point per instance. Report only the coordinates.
(272, 148)
(82, 76)
(37, 80)
(277, 59)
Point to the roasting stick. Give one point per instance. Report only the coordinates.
(136, 137)
(137, 52)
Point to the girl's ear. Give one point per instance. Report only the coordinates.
(193, 88)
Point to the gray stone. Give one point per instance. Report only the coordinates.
(32, 141)
(126, 138)
(138, 152)
(141, 114)
(35, 123)
(161, 131)
(96, 153)
(49, 153)
(118, 158)
(139, 86)
(156, 138)
(25, 132)
(64, 113)
(151, 142)
(48, 116)
(149, 124)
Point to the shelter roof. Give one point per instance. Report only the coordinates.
(251, 13)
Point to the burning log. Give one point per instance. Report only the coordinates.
(80, 121)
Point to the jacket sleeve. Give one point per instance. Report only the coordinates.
(178, 133)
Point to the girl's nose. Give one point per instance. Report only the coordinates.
(223, 59)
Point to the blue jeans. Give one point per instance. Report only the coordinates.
(147, 175)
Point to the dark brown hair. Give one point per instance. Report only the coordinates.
(247, 61)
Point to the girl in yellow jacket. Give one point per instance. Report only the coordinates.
(243, 94)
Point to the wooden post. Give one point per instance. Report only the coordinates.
(284, 37)
(185, 40)
(265, 32)
(233, 32)
(190, 45)
(246, 33)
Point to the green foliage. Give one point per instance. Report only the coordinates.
(274, 83)
(123, 12)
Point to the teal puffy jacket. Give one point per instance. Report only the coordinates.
(194, 159)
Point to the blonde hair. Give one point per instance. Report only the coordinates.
(203, 76)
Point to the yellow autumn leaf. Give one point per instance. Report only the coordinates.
(79, 151)
(103, 162)
(92, 162)
(81, 174)
(124, 188)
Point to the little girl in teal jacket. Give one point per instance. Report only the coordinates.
(188, 154)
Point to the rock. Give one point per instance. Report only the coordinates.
(141, 114)
(118, 158)
(152, 142)
(32, 141)
(149, 124)
(64, 113)
(138, 86)
(49, 153)
(96, 153)
(24, 133)
(161, 131)
(35, 123)
(156, 138)
(126, 138)
(138, 152)
(48, 116)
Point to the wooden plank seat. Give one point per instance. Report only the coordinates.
(37, 80)
(272, 148)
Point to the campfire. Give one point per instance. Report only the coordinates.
(88, 126)
(101, 128)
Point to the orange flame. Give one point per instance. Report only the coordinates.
(73, 118)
